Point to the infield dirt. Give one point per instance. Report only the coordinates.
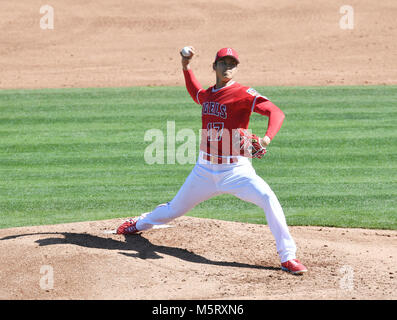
(194, 259)
(136, 43)
(133, 43)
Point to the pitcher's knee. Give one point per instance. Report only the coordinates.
(267, 199)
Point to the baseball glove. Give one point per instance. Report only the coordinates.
(250, 145)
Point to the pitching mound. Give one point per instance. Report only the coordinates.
(194, 259)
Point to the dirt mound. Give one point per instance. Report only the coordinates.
(194, 259)
(129, 43)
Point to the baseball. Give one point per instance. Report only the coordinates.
(186, 52)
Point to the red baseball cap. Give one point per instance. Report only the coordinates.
(226, 52)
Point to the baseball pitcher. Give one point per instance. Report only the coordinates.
(223, 164)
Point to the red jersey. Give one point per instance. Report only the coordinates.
(226, 109)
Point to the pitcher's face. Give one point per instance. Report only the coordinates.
(226, 68)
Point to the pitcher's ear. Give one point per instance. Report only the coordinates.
(214, 66)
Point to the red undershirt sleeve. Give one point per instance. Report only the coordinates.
(270, 110)
(192, 85)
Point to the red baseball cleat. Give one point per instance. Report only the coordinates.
(128, 227)
(294, 266)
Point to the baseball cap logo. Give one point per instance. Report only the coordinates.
(224, 52)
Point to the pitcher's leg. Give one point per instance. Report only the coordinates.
(275, 217)
(197, 188)
(252, 188)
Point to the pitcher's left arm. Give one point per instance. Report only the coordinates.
(276, 119)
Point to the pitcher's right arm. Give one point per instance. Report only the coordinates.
(192, 85)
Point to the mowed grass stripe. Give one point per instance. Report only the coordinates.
(78, 154)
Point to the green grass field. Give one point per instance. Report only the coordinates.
(78, 154)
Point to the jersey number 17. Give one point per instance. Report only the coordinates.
(215, 131)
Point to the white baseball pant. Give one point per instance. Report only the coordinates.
(240, 179)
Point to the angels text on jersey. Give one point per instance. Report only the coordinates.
(215, 109)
